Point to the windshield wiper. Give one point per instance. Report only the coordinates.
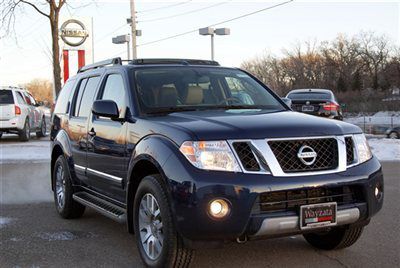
(171, 110)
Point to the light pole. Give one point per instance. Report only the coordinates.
(211, 31)
(122, 39)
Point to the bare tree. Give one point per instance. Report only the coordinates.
(48, 8)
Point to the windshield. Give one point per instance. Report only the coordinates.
(6, 97)
(309, 96)
(168, 89)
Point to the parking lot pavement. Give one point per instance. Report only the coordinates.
(32, 234)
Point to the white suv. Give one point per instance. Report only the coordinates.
(20, 114)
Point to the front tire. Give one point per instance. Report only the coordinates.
(157, 240)
(336, 238)
(66, 206)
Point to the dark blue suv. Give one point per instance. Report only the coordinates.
(191, 154)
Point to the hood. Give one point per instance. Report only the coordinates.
(249, 124)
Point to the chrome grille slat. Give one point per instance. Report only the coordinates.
(286, 151)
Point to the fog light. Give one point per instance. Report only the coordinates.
(378, 192)
(218, 208)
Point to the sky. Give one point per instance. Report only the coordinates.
(26, 55)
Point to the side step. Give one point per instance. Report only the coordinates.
(104, 207)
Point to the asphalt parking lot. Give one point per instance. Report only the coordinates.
(33, 235)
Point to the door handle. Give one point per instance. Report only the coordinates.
(92, 132)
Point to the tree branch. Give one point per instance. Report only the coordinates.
(36, 8)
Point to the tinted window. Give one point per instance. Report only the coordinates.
(309, 96)
(6, 97)
(200, 88)
(88, 95)
(78, 98)
(114, 90)
(62, 99)
(27, 99)
(20, 98)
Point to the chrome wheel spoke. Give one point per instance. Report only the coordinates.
(150, 226)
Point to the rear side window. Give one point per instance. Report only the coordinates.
(6, 97)
(62, 100)
(20, 98)
(78, 98)
(85, 105)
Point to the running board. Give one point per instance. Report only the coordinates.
(104, 207)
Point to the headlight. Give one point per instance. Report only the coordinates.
(211, 155)
(363, 150)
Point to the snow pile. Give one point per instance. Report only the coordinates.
(385, 149)
(4, 221)
(13, 152)
(379, 118)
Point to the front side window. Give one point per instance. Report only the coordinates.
(114, 90)
(201, 88)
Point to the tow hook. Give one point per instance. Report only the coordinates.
(241, 239)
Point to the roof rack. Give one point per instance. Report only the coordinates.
(113, 61)
(174, 61)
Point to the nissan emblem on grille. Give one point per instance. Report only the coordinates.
(307, 155)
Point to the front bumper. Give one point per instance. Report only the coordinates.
(192, 190)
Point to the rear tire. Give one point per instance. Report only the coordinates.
(42, 130)
(25, 133)
(1, 134)
(336, 238)
(393, 135)
(66, 206)
(164, 247)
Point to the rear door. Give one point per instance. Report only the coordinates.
(107, 157)
(7, 108)
(78, 122)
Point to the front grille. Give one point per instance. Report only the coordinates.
(246, 156)
(349, 150)
(291, 200)
(286, 153)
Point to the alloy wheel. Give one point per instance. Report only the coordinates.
(150, 226)
(60, 187)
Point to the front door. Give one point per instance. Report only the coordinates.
(107, 157)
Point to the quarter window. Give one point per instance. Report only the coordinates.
(62, 100)
(20, 99)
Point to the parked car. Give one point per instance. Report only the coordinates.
(393, 133)
(319, 102)
(20, 114)
(188, 154)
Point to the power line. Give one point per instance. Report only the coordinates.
(218, 23)
(164, 7)
(185, 13)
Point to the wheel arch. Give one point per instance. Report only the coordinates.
(60, 146)
(148, 157)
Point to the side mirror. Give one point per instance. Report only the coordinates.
(106, 108)
(287, 101)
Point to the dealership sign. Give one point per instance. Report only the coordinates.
(73, 32)
(76, 42)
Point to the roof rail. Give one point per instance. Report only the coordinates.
(113, 61)
(174, 61)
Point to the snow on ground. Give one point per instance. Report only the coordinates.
(33, 151)
(385, 149)
(4, 221)
(379, 118)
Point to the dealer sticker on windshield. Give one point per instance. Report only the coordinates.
(318, 215)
